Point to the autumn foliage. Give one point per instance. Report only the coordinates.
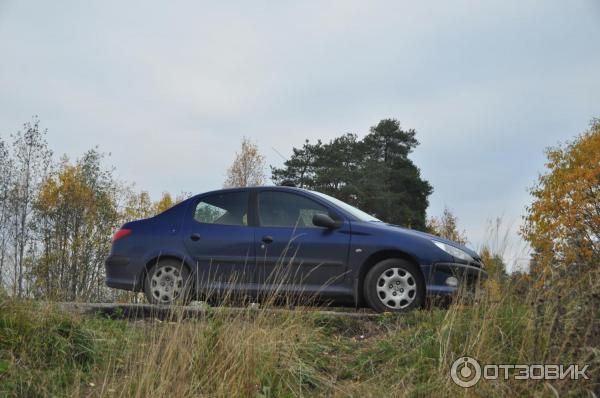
(74, 211)
(248, 167)
(446, 226)
(563, 222)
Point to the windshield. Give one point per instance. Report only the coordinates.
(359, 214)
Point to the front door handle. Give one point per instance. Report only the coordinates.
(267, 239)
(195, 237)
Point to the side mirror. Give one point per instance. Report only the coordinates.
(323, 220)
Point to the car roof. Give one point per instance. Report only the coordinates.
(257, 188)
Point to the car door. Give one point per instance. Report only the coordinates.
(217, 235)
(291, 253)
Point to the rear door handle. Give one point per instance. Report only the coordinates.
(267, 239)
(195, 237)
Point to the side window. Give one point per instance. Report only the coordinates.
(226, 208)
(283, 209)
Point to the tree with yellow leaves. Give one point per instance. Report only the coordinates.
(139, 205)
(75, 213)
(248, 167)
(563, 222)
(446, 226)
(166, 201)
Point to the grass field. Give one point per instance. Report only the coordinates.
(47, 352)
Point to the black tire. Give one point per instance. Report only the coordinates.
(167, 283)
(394, 285)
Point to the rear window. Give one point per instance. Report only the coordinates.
(229, 208)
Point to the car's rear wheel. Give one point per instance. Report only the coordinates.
(168, 282)
(394, 285)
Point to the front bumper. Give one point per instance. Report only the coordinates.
(467, 276)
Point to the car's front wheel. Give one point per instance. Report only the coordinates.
(168, 282)
(394, 285)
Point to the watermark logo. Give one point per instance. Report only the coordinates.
(467, 371)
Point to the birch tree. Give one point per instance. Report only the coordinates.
(248, 167)
(31, 160)
(6, 174)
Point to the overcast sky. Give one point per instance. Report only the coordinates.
(170, 88)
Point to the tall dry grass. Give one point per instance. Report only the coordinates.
(259, 352)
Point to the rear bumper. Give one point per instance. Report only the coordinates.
(122, 273)
(437, 276)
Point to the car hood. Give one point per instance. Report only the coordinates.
(427, 236)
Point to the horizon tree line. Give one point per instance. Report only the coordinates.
(56, 217)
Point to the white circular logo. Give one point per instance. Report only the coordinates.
(465, 372)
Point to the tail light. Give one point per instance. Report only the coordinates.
(123, 232)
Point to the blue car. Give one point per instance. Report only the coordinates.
(262, 241)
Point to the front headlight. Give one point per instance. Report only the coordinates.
(453, 251)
